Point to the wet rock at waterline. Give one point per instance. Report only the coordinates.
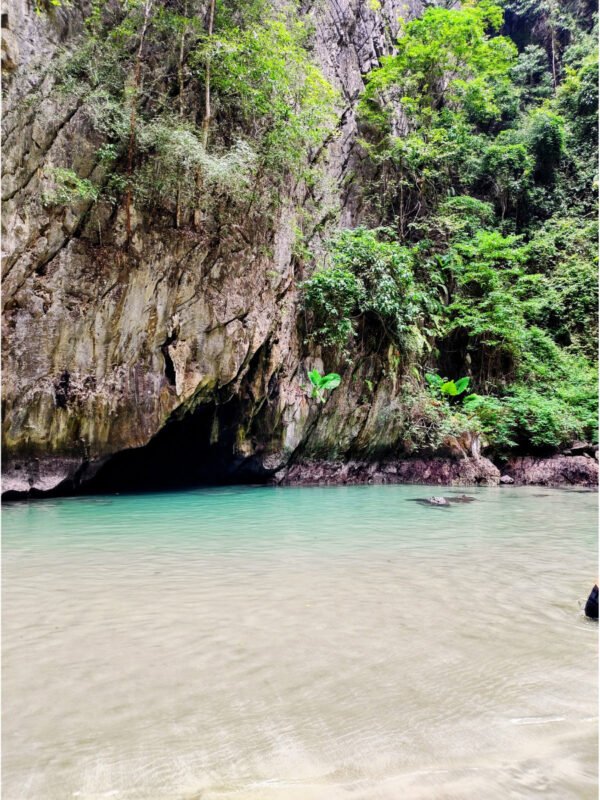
(559, 470)
(423, 471)
(460, 498)
(580, 449)
(443, 502)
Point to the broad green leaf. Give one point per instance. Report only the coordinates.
(434, 380)
(461, 385)
(331, 381)
(449, 388)
(315, 378)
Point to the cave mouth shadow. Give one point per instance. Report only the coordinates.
(184, 454)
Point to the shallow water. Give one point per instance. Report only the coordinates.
(300, 644)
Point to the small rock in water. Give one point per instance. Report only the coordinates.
(438, 501)
(460, 498)
(506, 479)
(591, 607)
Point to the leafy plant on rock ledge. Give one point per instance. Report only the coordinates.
(447, 388)
(200, 103)
(323, 383)
(67, 188)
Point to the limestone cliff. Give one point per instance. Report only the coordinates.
(177, 356)
(104, 345)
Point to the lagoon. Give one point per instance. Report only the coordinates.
(300, 644)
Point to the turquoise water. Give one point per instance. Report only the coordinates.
(300, 643)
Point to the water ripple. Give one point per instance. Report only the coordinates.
(307, 644)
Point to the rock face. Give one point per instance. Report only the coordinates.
(181, 357)
(556, 471)
(430, 471)
(105, 345)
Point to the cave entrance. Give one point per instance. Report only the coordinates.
(196, 449)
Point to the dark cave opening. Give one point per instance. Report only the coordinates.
(220, 442)
(197, 449)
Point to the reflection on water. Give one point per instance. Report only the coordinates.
(300, 644)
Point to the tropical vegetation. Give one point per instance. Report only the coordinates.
(481, 253)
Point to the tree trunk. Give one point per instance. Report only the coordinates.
(206, 122)
(553, 45)
(180, 77)
(137, 75)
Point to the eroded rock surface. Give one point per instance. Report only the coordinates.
(556, 471)
(426, 471)
(103, 345)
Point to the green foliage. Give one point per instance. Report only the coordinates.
(528, 419)
(546, 141)
(445, 387)
(445, 59)
(455, 112)
(457, 218)
(323, 383)
(145, 70)
(506, 170)
(44, 6)
(428, 421)
(532, 74)
(485, 165)
(493, 419)
(333, 296)
(426, 108)
(176, 156)
(544, 421)
(67, 188)
(560, 290)
(264, 76)
(369, 279)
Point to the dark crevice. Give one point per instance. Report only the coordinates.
(61, 390)
(220, 442)
(170, 373)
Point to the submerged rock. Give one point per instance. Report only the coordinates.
(431, 502)
(444, 502)
(461, 498)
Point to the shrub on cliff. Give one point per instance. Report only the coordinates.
(188, 96)
(369, 279)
